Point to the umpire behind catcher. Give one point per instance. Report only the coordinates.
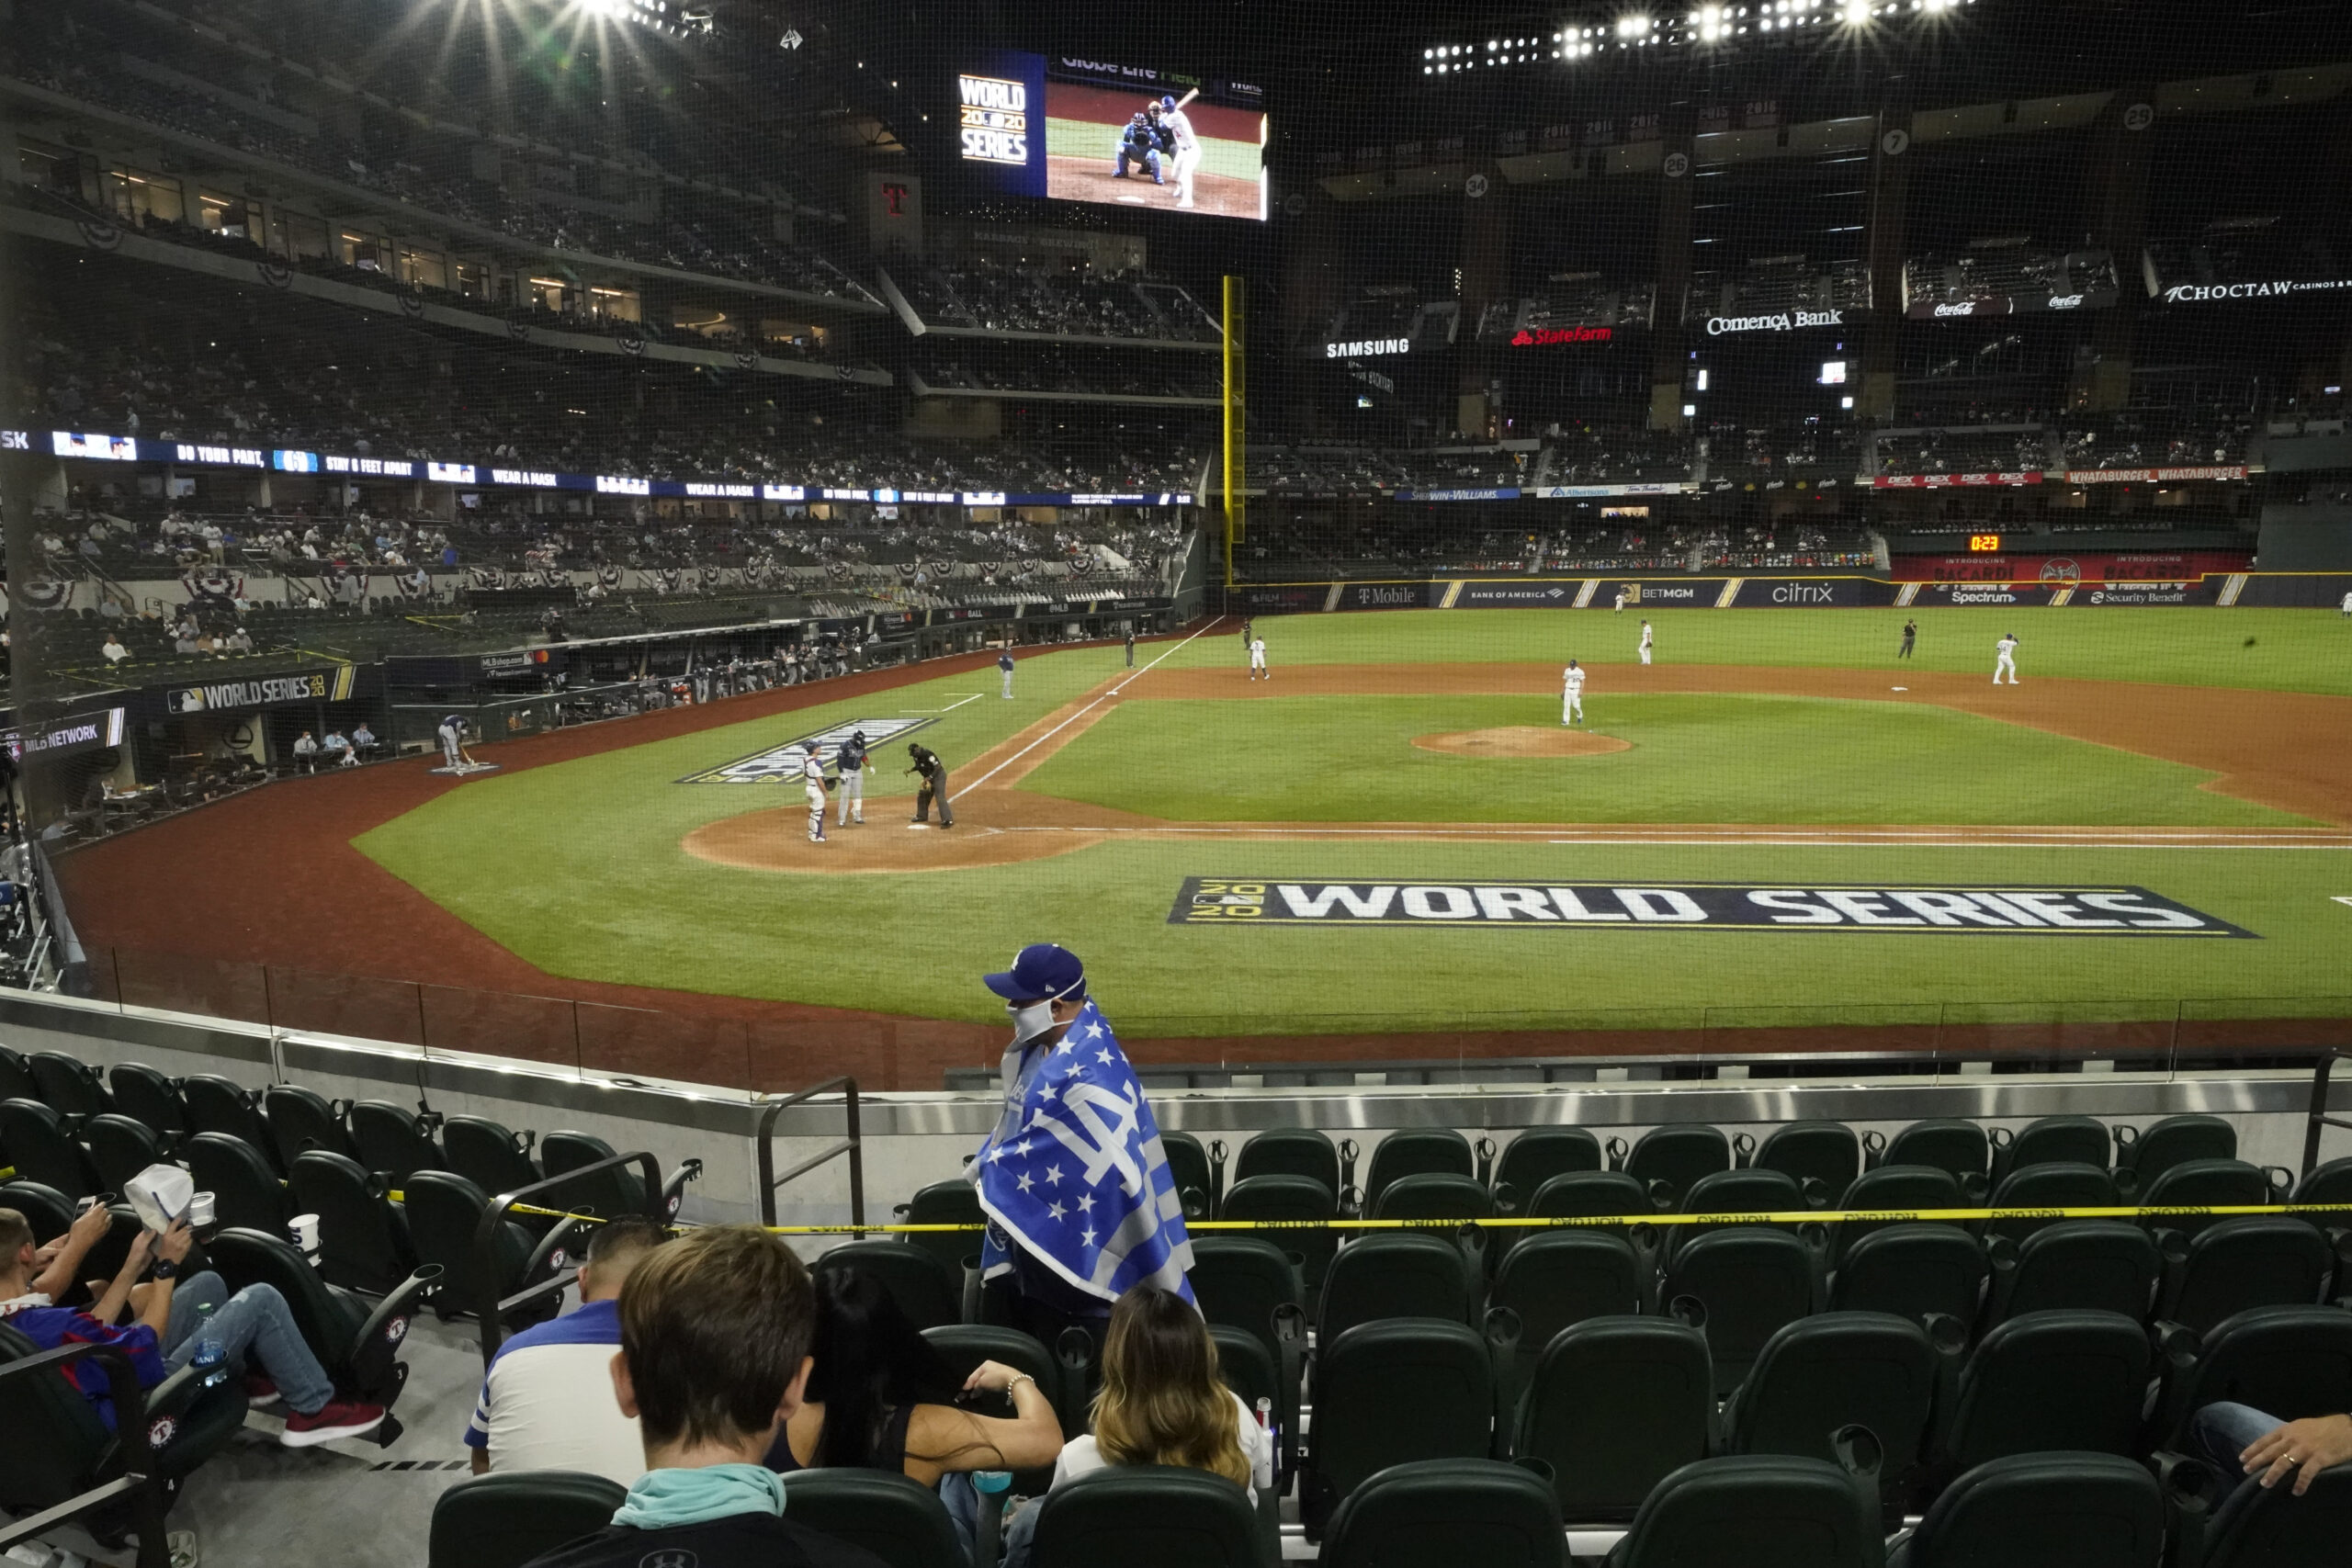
(935, 784)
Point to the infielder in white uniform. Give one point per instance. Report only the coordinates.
(812, 774)
(1571, 693)
(1179, 128)
(2006, 651)
(1257, 670)
(2346, 605)
(1646, 635)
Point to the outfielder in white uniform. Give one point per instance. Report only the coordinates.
(1647, 633)
(1621, 601)
(2346, 605)
(1257, 670)
(1571, 693)
(812, 774)
(1179, 127)
(2006, 651)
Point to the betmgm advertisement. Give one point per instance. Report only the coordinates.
(1073, 130)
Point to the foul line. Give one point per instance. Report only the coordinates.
(1172, 649)
(951, 707)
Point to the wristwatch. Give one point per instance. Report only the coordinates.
(164, 1268)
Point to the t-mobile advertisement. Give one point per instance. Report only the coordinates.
(1071, 128)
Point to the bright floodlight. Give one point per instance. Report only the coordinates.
(1633, 27)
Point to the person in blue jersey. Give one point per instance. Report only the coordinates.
(1074, 1180)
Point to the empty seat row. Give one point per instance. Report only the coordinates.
(1822, 1157)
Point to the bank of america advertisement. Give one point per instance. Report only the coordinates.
(1071, 128)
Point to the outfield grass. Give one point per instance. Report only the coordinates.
(1695, 759)
(2295, 651)
(578, 867)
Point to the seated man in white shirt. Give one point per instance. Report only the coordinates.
(548, 1402)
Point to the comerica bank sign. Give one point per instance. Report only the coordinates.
(1777, 321)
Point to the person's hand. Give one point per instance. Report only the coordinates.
(142, 1246)
(993, 1377)
(2305, 1447)
(173, 1245)
(89, 1228)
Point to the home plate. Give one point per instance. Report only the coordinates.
(917, 827)
(1898, 688)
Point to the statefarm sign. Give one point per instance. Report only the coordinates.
(1548, 337)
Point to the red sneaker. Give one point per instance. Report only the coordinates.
(337, 1418)
(259, 1391)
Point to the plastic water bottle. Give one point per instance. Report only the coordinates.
(211, 1357)
(1262, 1472)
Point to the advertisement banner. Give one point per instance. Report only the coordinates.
(334, 685)
(68, 737)
(1275, 598)
(1811, 592)
(2150, 566)
(1389, 595)
(2007, 305)
(2294, 590)
(2223, 471)
(1945, 481)
(2100, 910)
(1999, 593)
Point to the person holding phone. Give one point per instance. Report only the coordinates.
(166, 1321)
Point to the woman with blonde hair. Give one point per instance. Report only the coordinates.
(1161, 1402)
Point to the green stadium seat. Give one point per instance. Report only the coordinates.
(119, 1148)
(2046, 1381)
(1535, 1156)
(1290, 1198)
(393, 1141)
(487, 1155)
(2175, 1140)
(1948, 1144)
(444, 1213)
(1418, 1151)
(1248, 1283)
(147, 1095)
(1826, 1152)
(363, 1234)
(506, 1518)
(953, 1203)
(16, 1077)
(1893, 1188)
(69, 1086)
(1397, 1274)
(299, 1118)
(1914, 1271)
(916, 1280)
(2216, 1183)
(1754, 1511)
(2270, 1526)
(245, 1191)
(2234, 1266)
(1468, 1511)
(2288, 1361)
(1614, 1406)
(1677, 1154)
(2083, 1265)
(2050, 1184)
(2074, 1139)
(2053, 1510)
(1291, 1151)
(216, 1105)
(1147, 1516)
(42, 1149)
(1386, 1394)
(1820, 1375)
(1750, 1281)
(1190, 1166)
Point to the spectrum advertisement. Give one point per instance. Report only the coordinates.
(1072, 129)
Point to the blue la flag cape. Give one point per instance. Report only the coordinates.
(1076, 1177)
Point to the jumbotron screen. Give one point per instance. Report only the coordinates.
(1074, 130)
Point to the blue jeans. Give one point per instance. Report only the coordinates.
(2218, 1433)
(254, 1325)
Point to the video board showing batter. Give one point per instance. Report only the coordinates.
(1073, 130)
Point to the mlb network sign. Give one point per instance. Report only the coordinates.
(2111, 911)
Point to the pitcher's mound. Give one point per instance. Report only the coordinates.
(1522, 741)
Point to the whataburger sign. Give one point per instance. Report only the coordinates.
(2080, 910)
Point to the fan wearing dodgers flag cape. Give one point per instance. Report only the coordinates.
(1079, 1200)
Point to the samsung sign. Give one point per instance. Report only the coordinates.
(2203, 293)
(1778, 322)
(1365, 348)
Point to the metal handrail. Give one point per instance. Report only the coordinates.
(853, 1145)
(138, 1479)
(492, 1307)
(2318, 1116)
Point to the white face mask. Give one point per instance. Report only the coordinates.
(1031, 1020)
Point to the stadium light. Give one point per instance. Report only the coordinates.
(1634, 27)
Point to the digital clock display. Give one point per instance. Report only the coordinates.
(1984, 544)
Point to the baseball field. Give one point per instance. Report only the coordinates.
(1778, 824)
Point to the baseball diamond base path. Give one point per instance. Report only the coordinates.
(2280, 749)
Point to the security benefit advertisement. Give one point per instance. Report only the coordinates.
(1073, 129)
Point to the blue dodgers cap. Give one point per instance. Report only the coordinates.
(1041, 972)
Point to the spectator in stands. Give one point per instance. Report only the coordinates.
(254, 1326)
(546, 1403)
(714, 1359)
(306, 751)
(2237, 1439)
(1161, 1402)
(882, 1397)
(112, 649)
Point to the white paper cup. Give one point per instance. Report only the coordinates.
(200, 1211)
(304, 1230)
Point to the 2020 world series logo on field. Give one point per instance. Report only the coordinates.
(2080, 910)
(781, 764)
